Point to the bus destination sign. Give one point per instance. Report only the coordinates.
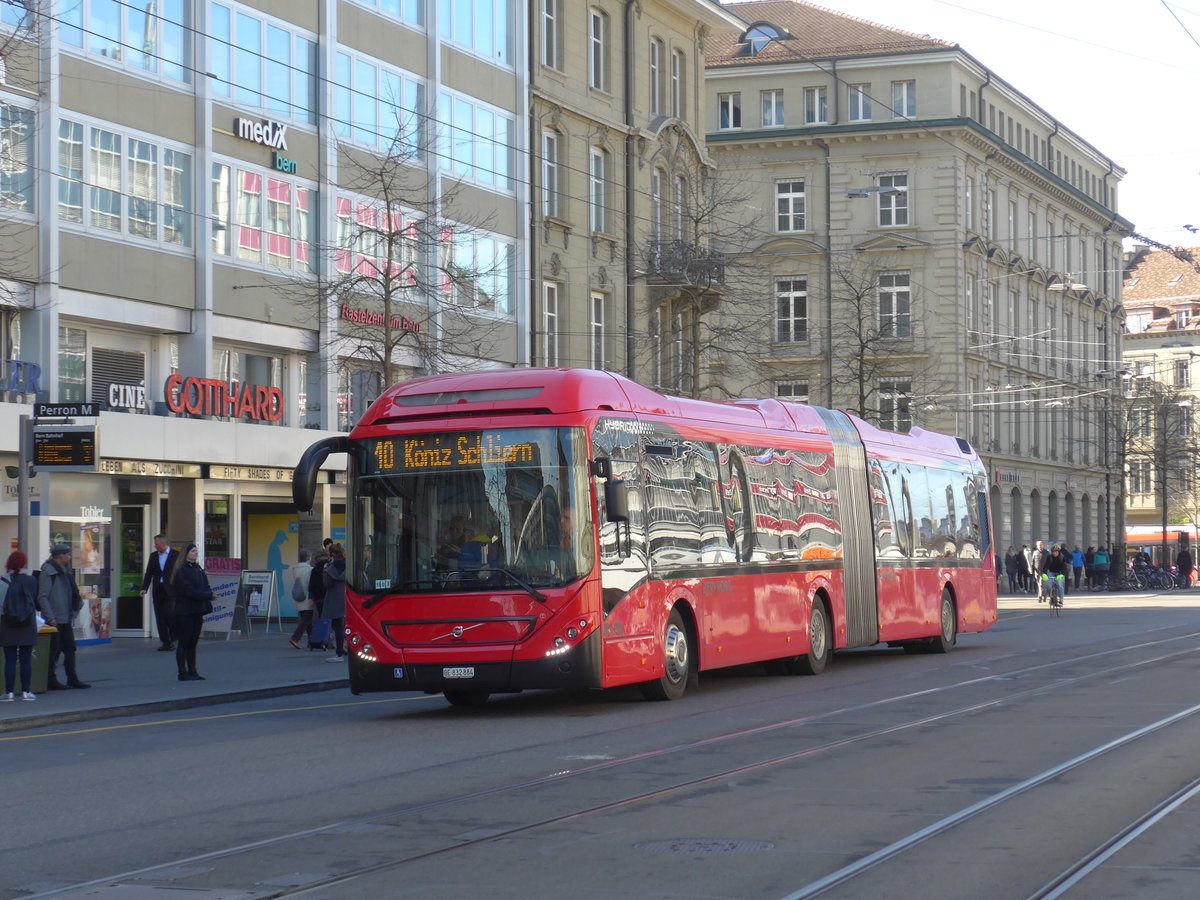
(451, 450)
(65, 448)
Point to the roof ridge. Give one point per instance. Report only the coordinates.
(842, 15)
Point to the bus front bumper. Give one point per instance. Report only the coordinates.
(578, 668)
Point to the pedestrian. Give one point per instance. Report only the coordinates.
(1077, 565)
(1183, 565)
(58, 598)
(1089, 566)
(1026, 567)
(1039, 558)
(316, 584)
(334, 608)
(18, 626)
(190, 600)
(304, 604)
(1012, 567)
(158, 567)
(1101, 563)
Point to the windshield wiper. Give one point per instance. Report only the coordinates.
(524, 585)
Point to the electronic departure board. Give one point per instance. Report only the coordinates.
(445, 451)
(65, 448)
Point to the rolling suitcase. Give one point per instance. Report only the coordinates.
(321, 635)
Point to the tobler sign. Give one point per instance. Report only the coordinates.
(214, 397)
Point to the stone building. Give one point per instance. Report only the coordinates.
(617, 122)
(936, 249)
(1162, 379)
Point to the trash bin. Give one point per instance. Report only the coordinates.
(41, 659)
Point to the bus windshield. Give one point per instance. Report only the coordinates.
(469, 510)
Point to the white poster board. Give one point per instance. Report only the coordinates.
(258, 590)
(224, 577)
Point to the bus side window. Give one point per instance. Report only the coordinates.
(701, 468)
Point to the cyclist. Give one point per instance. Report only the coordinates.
(1058, 566)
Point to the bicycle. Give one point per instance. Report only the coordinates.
(1054, 590)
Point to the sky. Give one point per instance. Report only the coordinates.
(1121, 74)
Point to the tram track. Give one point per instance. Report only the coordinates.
(681, 786)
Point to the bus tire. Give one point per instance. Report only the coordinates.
(677, 663)
(820, 642)
(466, 698)
(948, 618)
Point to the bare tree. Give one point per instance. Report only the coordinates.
(411, 276)
(1162, 449)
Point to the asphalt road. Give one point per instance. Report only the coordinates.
(1044, 758)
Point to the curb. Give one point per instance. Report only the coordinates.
(28, 723)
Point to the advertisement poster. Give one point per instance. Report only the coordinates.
(273, 543)
(224, 577)
(258, 593)
(95, 619)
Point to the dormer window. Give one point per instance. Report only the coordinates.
(756, 38)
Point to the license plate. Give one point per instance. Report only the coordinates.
(459, 672)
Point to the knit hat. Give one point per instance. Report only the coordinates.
(58, 549)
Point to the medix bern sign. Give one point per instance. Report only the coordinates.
(213, 397)
(266, 132)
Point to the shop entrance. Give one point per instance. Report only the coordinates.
(133, 537)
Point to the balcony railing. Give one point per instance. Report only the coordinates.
(678, 262)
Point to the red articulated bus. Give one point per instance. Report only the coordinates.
(567, 528)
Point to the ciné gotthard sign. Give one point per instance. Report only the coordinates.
(214, 397)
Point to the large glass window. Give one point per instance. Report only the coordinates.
(598, 49)
(262, 219)
(482, 26)
(895, 305)
(895, 404)
(409, 11)
(816, 106)
(550, 173)
(789, 205)
(16, 158)
(791, 320)
(378, 106)
(72, 364)
(597, 189)
(904, 99)
(148, 36)
(729, 108)
(859, 96)
(893, 199)
(772, 108)
(470, 511)
(262, 63)
(481, 141)
(549, 324)
(134, 186)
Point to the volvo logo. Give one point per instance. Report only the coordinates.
(458, 631)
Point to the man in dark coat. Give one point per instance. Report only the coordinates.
(158, 570)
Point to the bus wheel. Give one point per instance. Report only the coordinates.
(949, 633)
(820, 642)
(467, 698)
(677, 663)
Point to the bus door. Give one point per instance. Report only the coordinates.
(858, 539)
(629, 632)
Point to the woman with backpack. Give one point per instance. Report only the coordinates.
(18, 626)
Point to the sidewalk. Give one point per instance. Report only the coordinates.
(131, 677)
